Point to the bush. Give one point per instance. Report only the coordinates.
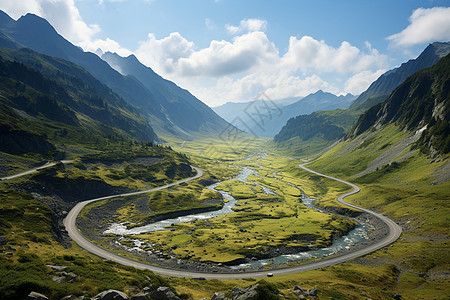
(267, 291)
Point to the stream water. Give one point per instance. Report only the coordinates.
(355, 236)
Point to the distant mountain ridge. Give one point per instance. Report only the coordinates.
(36, 33)
(268, 126)
(184, 110)
(386, 83)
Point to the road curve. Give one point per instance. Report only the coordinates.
(75, 234)
(47, 165)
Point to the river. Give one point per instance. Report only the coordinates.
(357, 235)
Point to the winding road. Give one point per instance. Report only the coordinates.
(76, 236)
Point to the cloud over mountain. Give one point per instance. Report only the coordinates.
(426, 25)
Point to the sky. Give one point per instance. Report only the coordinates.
(231, 50)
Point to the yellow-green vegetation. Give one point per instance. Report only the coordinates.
(31, 248)
(411, 192)
(217, 157)
(261, 222)
(344, 281)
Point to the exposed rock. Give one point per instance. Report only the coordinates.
(248, 293)
(237, 291)
(141, 296)
(111, 295)
(298, 289)
(59, 279)
(149, 288)
(36, 296)
(70, 297)
(163, 293)
(311, 292)
(218, 296)
(57, 268)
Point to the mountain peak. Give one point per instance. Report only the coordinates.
(35, 24)
(380, 89)
(5, 19)
(319, 92)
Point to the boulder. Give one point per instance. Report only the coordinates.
(111, 295)
(237, 291)
(248, 293)
(36, 296)
(141, 296)
(312, 292)
(218, 296)
(163, 293)
(298, 289)
(70, 297)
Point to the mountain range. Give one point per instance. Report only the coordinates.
(420, 104)
(167, 108)
(294, 133)
(266, 117)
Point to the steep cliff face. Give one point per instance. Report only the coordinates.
(420, 103)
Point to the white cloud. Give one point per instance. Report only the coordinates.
(62, 14)
(276, 85)
(174, 54)
(426, 25)
(308, 54)
(359, 82)
(239, 69)
(163, 55)
(222, 57)
(247, 25)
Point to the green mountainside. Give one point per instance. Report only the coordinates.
(420, 103)
(41, 89)
(398, 154)
(309, 134)
(318, 138)
(168, 108)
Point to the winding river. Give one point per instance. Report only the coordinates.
(355, 236)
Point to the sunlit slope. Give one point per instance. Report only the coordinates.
(398, 154)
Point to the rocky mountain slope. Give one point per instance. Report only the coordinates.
(420, 104)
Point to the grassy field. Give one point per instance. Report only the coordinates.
(261, 222)
(406, 191)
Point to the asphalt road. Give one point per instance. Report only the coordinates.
(47, 165)
(76, 236)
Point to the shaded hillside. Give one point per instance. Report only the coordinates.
(60, 91)
(184, 110)
(167, 107)
(386, 83)
(420, 103)
(308, 134)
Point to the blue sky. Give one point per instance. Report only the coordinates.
(223, 50)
